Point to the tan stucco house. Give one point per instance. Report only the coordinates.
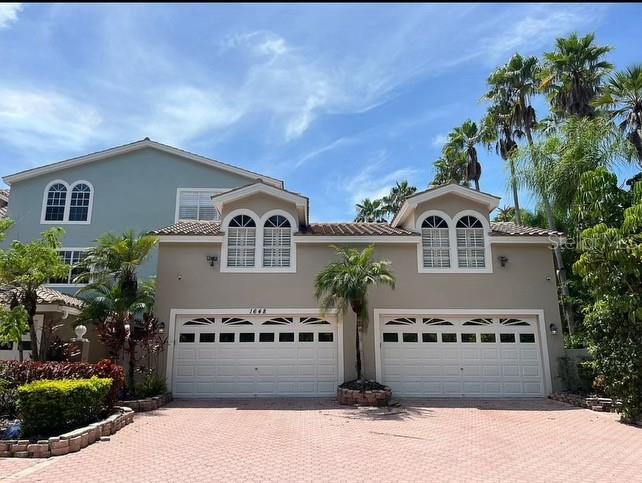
(475, 311)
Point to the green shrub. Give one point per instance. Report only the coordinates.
(8, 399)
(152, 386)
(53, 407)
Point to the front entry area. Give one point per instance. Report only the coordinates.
(233, 355)
(473, 356)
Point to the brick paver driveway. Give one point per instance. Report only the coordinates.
(316, 440)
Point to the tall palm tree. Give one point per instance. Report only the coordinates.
(622, 96)
(573, 74)
(464, 139)
(450, 168)
(370, 211)
(345, 284)
(117, 257)
(398, 194)
(507, 213)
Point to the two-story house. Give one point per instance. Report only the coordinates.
(138, 186)
(474, 312)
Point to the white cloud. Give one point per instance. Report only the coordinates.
(439, 140)
(46, 120)
(9, 13)
(375, 180)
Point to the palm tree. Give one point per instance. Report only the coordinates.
(370, 211)
(622, 96)
(450, 168)
(398, 194)
(117, 257)
(507, 213)
(463, 139)
(573, 74)
(345, 284)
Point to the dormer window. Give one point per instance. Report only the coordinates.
(241, 242)
(471, 249)
(435, 242)
(277, 241)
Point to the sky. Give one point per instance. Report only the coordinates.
(338, 100)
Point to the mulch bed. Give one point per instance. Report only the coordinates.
(366, 385)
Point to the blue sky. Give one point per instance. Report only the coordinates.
(340, 101)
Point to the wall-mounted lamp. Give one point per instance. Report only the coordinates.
(502, 260)
(553, 329)
(161, 327)
(212, 259)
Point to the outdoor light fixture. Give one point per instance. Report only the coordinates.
(553, 329)
(80, 331)
(502, 260)
(212, 259)
(161, 327)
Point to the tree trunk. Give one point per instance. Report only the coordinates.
(476, 184)
(636, 139)
(12, 305)
(21, 355)
(30, 301)
(567, 307)
(131, 366)
(513, 181)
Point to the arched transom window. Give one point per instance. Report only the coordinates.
(471, 250)
(277, 240)
(241, 242)
(435, 241)
(56, 202)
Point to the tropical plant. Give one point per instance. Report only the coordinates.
(622, 97)
(13, 325)
(463, 140)
(117, 257)
(507, 213)
(450, 168)
(398, 194)
(573, 74)
(345, 283)
(24, 268)
(370, 211)
(609, 264)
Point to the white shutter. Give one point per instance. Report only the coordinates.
(436, 247)
(197, 205)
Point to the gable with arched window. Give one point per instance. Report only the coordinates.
(471, 242)
(277, 242)
(67, 204)
(241, 241)
(435, 242)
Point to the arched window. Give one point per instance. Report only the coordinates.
(56, 202)
(80, 199)
(277, 240)
(435, 241)
(241, 241)
(471, 250)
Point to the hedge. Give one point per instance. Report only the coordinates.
(19, 373)
(54, 407)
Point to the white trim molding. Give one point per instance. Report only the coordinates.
(135, 146)
(341, 239)
(190, 238)
(538, 313)
(175, 313)
(65, 218)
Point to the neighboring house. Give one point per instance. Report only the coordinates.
(139, 186)
(4, 201)
(475, 311)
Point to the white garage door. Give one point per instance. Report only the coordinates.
(237, 356)
(445, 356)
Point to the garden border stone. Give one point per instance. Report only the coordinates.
(147, 404)
(69, 442)
(372, 397)
(594, 403)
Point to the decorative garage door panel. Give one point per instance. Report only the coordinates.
(461, 356)
(235, 356)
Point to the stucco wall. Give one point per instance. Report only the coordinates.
(186, 281)
(450, 203)
(260, 204)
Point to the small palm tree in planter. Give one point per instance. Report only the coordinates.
(344, 284)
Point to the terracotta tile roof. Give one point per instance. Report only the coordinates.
(354, 229)
(193, 228)
(203, 228)
(47, 296)
(4, 196)
(3, 212)
(507, 228)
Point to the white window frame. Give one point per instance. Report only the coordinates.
(214, 191)
(454, 261)
(67, 285)
(65, 218)
(258, 254)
